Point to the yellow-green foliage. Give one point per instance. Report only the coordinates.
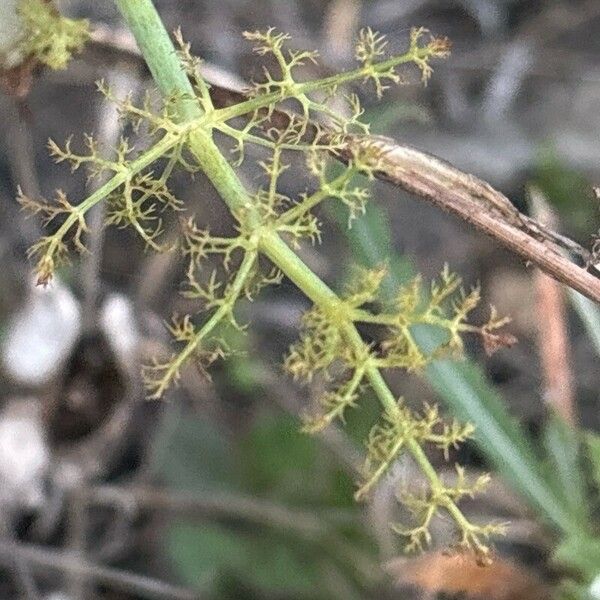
(48, 36)
(330, 347)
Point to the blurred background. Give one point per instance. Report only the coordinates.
(214, 492)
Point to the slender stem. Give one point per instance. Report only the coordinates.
(160, 55)
(274, 247)
(264, 100)
(226, 307)
(363, 316)
(224, 310)
(246, 136)
(321, 194)
(43, 559)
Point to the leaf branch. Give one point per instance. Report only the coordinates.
(52, 248)
(161, 375)
(465, 196)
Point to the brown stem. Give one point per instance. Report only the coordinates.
(553, 338)
(43, 559)
(469, 198)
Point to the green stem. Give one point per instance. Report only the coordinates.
(160, 55)
(362, 73)
(275, 248)
(224, 310)
(308, 203)
(389, 320)
(272, 246)
(221, 174)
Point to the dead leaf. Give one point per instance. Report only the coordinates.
(459, 573)
(492, 342)
(16, 82)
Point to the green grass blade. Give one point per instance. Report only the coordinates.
(562, 443)
(589, 313)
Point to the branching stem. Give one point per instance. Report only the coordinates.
(223, 312)
(159, 53)
(324, 192)
(161, 58)
(264, 100)
(274, 247)
(77, 214)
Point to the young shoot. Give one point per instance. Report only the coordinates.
(285, 114)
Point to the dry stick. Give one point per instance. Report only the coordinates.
(464, 195)
(43, 559)
(553, 338)
(483, 207)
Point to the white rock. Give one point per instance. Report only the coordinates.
(41, 335)
(595, 588)
(24, 454)
(118, 323)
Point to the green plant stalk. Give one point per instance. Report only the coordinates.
(279, 253)
(222, 176)
(161, 57)
(219, 315)
(142, 18)
(311, 201)
(264, 100)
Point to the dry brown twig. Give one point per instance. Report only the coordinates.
(553, 337)
(43, 559)
(471, 199)
(488, 210)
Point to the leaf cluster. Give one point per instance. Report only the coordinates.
(48, 36)
(284, 115)
(323, 350)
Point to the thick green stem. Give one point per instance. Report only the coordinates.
(160, 55)
(222, 175)
(272, 246)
